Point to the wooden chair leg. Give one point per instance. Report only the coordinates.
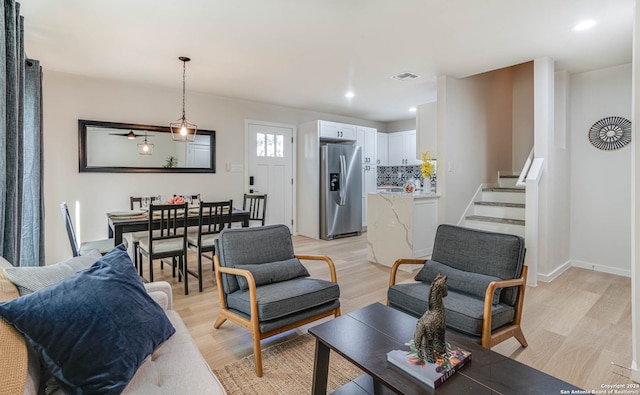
(257, 354)
(219, 322)
(520, 337)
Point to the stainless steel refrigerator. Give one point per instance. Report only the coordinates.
(340, 191)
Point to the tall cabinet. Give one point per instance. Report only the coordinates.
(383, 150)
(367, 138)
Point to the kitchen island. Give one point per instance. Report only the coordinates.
(401, 225)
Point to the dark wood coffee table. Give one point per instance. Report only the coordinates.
(365, 336)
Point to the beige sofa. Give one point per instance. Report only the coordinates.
(175, 367)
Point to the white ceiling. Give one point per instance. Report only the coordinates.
(308, 53)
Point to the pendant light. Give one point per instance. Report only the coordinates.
(181, 128)
(145, 148)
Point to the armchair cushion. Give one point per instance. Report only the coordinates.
(272, 272)
(87, 327)
(474, 284)
(285, 298)
(463, 313)
(248, 246)
(493, 254)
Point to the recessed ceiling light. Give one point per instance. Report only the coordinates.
(349, 95)
(413, 109)
(584, 25)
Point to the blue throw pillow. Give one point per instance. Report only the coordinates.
(93, 329)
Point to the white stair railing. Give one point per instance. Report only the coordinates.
(525, 170)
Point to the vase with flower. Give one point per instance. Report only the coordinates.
(428, 168)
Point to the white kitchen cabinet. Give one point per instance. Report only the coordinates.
(402, 149)
(334, 131)
(382, 140)
(369, 185)
(367, 138)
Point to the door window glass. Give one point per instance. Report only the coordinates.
(271, 145)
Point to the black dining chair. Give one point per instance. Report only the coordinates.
(136, 236)
(213, 218)
(138, 199)
(103, 245)
(167, 238)
(257, 207)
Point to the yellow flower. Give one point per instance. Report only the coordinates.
(427, 165)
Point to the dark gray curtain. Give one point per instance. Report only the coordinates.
(21, 213)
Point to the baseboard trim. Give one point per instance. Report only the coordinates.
(601, 268)
(547, 278)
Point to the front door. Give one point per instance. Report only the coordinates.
(270, 168)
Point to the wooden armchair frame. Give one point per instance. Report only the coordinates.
(253, 323)
(488, 338)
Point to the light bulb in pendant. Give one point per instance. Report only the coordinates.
(183, 130)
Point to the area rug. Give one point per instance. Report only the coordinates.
(287, 370)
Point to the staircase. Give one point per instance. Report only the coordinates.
(499, 209)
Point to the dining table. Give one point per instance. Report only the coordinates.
(138, 220)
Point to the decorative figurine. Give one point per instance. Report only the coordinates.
(429, 335)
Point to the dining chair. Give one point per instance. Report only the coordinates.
(138, 199)
(166, 238)
(136, 236)
(257, 207)
(103, 245)
(213, 218)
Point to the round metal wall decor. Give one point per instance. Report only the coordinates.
(610, 133)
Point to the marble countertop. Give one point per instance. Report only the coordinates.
(415, 195)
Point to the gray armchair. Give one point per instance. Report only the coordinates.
(263, 286)
(486, 278)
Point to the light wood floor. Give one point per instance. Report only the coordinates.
(578, 326)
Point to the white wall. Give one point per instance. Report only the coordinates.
(522, 114)
(399, 126)
(600, 188)
(427, 129)
(474, 137)
(68, 98)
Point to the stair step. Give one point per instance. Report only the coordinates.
(502, 189)
(500, 204)
(508, 221)
(504, 195)
(508, 181)
(499, 210)
(492, 226)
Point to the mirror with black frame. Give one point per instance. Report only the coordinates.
(123, 147)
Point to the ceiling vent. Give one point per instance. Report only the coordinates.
(405, 76)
